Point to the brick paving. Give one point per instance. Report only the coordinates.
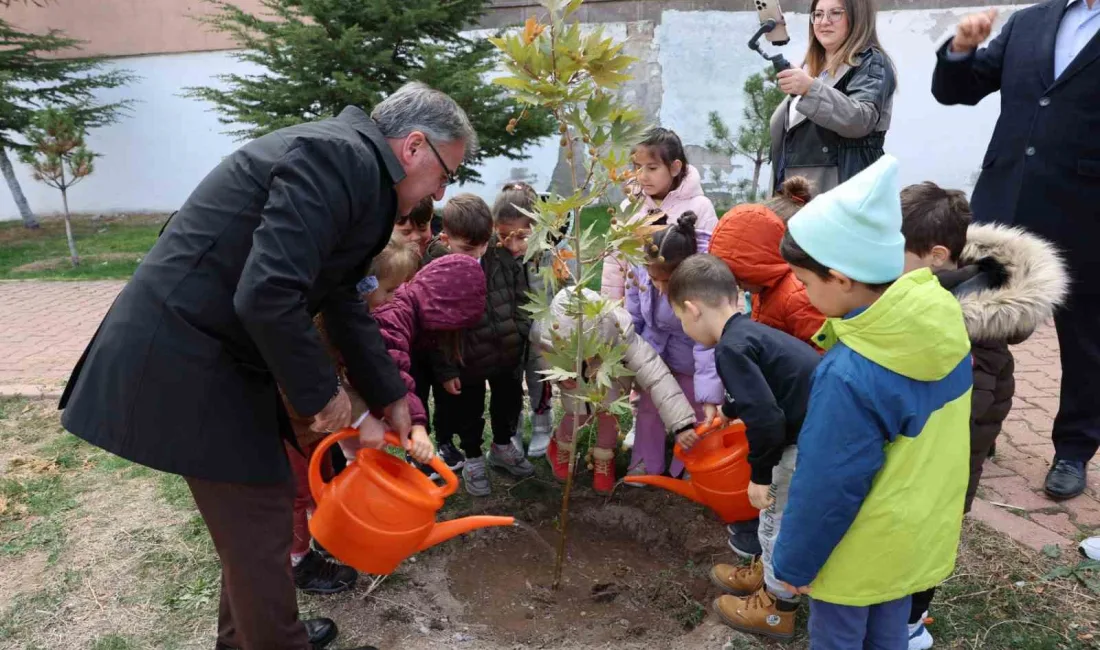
(44, 327)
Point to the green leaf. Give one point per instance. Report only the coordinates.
(1052, 551)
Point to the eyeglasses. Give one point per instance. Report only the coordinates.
(834, 15)
(452, 177)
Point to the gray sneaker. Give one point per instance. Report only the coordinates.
(475, 478)
(511, 460)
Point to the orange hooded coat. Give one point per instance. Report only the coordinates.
(747, 240)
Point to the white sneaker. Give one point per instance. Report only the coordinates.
(1090, 548)
(541, 431)
(628, 442)
(637, 470)
(919, 638)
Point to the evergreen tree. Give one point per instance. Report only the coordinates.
(319, 56)
(753, 137)
(32, 77)
(59, 158)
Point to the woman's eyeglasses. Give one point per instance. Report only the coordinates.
(833, 15)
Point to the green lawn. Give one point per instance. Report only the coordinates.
(110, 247)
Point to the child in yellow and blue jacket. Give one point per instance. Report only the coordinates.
(876, 503)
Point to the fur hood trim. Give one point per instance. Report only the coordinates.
(1036, 283)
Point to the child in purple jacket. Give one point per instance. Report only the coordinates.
(692, 364)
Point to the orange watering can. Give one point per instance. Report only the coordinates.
(380, 510)
(719, 468)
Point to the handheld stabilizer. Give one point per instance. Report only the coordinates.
(779, 61)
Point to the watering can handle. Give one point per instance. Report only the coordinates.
(316, 482)
(702, 430)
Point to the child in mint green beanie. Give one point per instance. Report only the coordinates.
(876, 502)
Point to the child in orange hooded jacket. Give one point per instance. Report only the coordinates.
(747, 240)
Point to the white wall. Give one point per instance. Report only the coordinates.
(153, 158)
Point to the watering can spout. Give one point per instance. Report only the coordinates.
(683, 488)
(445, 530)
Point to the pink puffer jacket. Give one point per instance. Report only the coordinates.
(689, 196)
(447, 294)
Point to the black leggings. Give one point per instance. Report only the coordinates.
(921, 602)
(464, 413)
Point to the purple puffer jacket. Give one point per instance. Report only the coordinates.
(658, 325)
(447, 294)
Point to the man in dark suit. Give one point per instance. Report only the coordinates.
(1042, 172)
(185, 372)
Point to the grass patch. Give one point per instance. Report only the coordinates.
(110, 247)
(114, 642)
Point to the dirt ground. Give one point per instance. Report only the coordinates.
(99, 554)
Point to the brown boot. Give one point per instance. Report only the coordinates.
(738, 580)
(756, 614)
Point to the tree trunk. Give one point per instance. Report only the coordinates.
(29, 220)
(759, 162)
(69, 230)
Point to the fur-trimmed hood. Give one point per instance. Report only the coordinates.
(1029, 281)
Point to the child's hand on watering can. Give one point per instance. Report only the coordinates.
(760, 496)
(712, 411)
(687, 439)
(420, 445)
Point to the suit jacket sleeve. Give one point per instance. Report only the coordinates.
(971, 79)
(840, 451)
(355, 333)
(309, 207)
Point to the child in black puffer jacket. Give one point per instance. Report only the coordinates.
(495, 351)
(1008, 283)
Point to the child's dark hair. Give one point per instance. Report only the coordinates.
(932, 216)
(467, 216)
(794, 255)
(703, 279)
(513, 196)
(793, 195)
(674, 244)
(666, 145)
(421, 215)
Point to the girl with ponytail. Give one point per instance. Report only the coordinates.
(691, 364)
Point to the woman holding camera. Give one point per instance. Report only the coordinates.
(833, 124)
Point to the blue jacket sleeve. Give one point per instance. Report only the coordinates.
(840, 450)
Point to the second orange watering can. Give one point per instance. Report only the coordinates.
(380, 509)
(719, 467)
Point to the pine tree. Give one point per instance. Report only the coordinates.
(319, 56)
(32, 77)
(59, 157)
(753, 138)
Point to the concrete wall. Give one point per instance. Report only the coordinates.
(691, 62)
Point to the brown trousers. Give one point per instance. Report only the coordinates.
(251, 526)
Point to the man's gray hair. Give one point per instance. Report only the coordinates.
(416, 107)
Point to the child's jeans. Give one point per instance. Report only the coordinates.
(773, 515)
(877, 627)
(650, 433)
